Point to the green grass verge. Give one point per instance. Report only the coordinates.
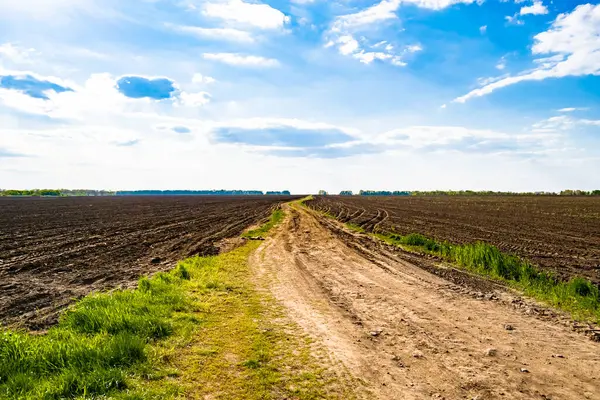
(246, 349)
(276, 217)
(201, 328)
(578, 296)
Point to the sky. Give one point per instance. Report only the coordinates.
(300, 95)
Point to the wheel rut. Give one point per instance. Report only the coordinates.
(409, 334)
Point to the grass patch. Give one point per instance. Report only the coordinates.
(355, 228)
(276, 217)
(578, 296)
(103, 345)
(245, 348)
(200, 329)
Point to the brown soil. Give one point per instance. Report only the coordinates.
(53, 250)
(410, 334)
(560, 234)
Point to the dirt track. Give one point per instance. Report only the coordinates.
(560, 234)
(410, 334)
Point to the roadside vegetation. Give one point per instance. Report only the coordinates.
(202, 329)
(276, 217)
(578, 296)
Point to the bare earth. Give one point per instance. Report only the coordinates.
(410, 334)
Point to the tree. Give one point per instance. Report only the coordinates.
(322, 193)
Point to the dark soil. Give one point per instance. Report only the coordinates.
(559, 234)
(54, 250)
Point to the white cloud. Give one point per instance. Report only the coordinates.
(483, 29)
(572, 109)
(202, 79)
(501, 64)
(384, 10)
(16, 54)
(228, 34)
(537, 8)
(194, 99)
(347, 45)
(572, 41)
(260, 16)
(514, 19)
(241, 60)
(343, 31)
(562, 123)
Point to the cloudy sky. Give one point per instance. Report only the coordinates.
(300, 94)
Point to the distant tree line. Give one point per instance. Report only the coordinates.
(282, 193)
(84, 192)
(200, 193)
(466, 193)
(56, 192)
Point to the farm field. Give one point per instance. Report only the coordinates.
(559, 234)
(53, 250)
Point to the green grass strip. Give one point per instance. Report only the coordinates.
(147, 343)
(276, 217)
(578, 296)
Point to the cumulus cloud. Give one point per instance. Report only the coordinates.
(343, 31)
(194, 99)
(99, 97)
(237, 59)
(571, 47)
(257, 15)
(537, 8)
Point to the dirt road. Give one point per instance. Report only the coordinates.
(409, 334)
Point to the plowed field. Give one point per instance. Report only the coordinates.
(560, 234)
(53, 250)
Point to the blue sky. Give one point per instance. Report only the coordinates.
(300, 95)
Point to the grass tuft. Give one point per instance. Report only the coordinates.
(578, 295)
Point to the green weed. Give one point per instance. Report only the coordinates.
(578, 295)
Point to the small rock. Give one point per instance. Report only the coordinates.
(491, 352)
(557, 356)
(398, 361)
(376, 332)
(478, 397)
(595, 337)
(156, 260)
(509, 327)
(418, 354)
(524, 370)
(468, 318)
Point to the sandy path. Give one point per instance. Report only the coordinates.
(404, 333)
